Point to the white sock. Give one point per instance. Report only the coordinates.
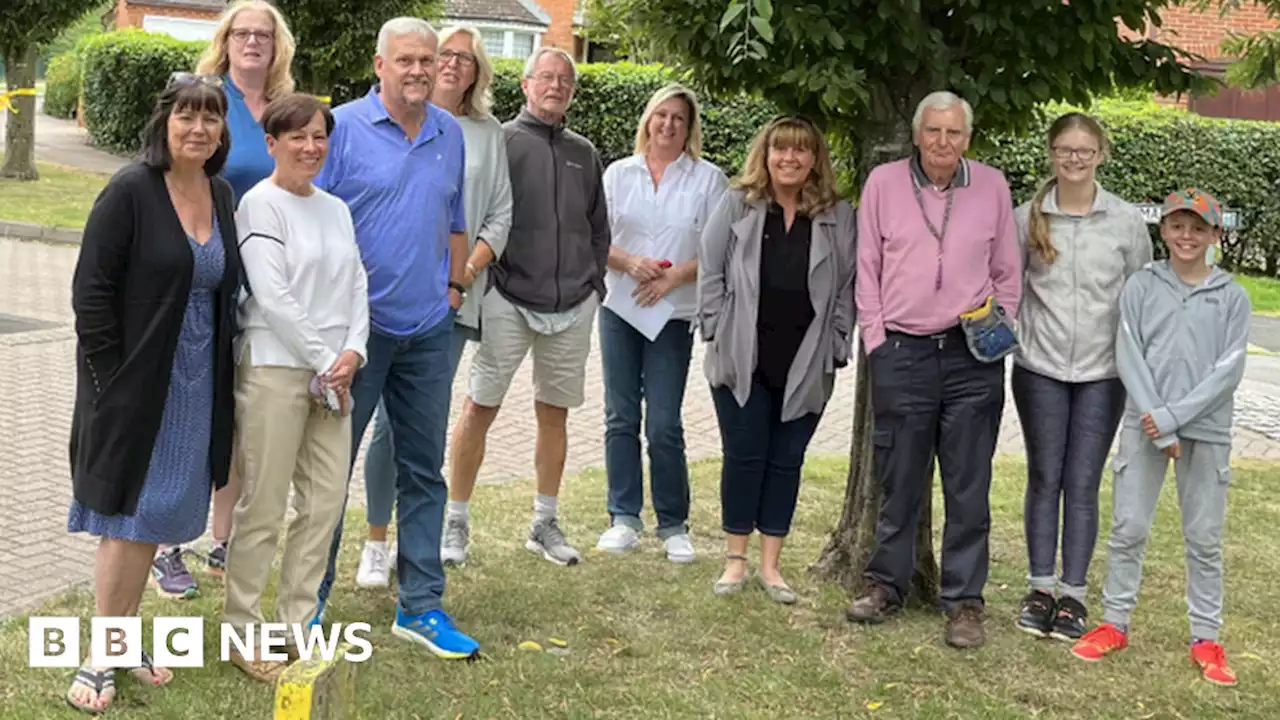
(380, 544)
(544, 507)
(459, 509)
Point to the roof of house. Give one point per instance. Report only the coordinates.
(183, 4)
(527, 12)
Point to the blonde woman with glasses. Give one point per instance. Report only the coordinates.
(462, 87)
(251, 52)
(775, 306)
(659, 199)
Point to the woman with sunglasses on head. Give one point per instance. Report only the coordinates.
(775, 305)
(463, 88)
(251, 52)
(154, 295)
(1080, 243)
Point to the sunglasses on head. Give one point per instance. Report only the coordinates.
(182, 79)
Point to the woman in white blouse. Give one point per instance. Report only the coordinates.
(305, 320)
(463, 81)
(659, 199)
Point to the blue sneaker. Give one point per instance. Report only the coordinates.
(318, 618)
(435, 631)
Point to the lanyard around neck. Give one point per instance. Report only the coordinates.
(933, 230)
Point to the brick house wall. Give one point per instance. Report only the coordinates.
(560, 33)
(129, 13)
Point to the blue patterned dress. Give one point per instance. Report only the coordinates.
(174, 505)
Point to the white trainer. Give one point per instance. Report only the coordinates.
(618, 539)
(679, 548)
(375, 566)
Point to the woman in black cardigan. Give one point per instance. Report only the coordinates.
(154, 295)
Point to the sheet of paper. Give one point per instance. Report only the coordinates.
(648, 320)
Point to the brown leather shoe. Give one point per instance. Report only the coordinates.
(874, 607)
(965, 627)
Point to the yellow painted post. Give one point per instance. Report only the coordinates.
(315, 689)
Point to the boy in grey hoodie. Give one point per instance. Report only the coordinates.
(1180, 351)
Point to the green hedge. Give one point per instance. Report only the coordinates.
(124, 71)
(62, 85)
(611, 96)
(1160, 149)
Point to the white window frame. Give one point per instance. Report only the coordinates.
(508, 31)
(186, 28)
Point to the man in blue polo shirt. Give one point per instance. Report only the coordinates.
(398, 163)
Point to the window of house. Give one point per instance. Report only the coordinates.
(514, 43)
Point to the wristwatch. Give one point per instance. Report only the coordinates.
(462, 291)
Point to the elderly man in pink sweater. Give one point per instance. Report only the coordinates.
(936, 240)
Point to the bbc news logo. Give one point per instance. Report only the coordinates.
(116, 642)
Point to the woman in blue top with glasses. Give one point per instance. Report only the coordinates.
(252, 51)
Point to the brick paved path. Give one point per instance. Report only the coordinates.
(38, 558)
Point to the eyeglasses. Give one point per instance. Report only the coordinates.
(186, 78)
(547, 78)
(464, 59)
(1085, 154)
(243, 35)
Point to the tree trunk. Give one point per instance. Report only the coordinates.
(850, 546)
(20, 128)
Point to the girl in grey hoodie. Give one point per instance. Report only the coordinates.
(1080, 244)
(1181, 351)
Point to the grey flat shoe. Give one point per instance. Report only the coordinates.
(725, 589)
(780, 594)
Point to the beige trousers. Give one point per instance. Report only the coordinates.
(284, 438)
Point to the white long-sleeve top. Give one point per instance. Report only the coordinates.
(308, 295)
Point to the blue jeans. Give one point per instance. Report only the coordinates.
(379, 460)
(760, 477)
(636, 369)
(411, 375)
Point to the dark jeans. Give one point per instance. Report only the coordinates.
(1068, 429)
(931, 396)
(634, 370)
(412, 377)
(760, 477)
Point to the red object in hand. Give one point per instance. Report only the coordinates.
(664, 264)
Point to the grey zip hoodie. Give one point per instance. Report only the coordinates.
(559, 239)
(1181, 352)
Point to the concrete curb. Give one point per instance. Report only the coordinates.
(29, 231)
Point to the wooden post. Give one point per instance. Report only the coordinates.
(317, 689)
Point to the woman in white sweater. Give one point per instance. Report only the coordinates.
(462, 88)
(305, 320)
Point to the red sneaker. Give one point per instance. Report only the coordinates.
(1212, 661)
(1100, 642)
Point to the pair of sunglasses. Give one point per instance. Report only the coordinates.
(185, 78)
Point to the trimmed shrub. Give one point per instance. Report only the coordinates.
(1157, 150)
(124, 71)
(62, 85)
(611, 96)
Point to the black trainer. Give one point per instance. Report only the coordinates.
(1069, 620)
(1036, 617)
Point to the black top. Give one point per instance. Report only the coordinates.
(785, 310)
(129, 293)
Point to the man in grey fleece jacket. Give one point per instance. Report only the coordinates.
(545, 291)
(1180, 351)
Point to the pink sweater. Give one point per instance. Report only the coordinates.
(898, 257)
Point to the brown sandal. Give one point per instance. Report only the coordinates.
(265, 671)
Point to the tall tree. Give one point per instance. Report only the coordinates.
(861, 66)
(336, 39)
(24, 25)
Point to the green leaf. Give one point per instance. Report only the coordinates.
(764, 9)
(731, 13)
(762, 27)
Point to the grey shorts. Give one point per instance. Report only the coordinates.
(559, 360)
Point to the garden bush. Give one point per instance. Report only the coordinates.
(62, 85)
(123, 72)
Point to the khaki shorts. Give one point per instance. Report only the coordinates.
(559, 360)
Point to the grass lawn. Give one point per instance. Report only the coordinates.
(61, 197)
(1264, 293)
(648, 640)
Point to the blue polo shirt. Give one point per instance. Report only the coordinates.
(248, 162)
(405, 198)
